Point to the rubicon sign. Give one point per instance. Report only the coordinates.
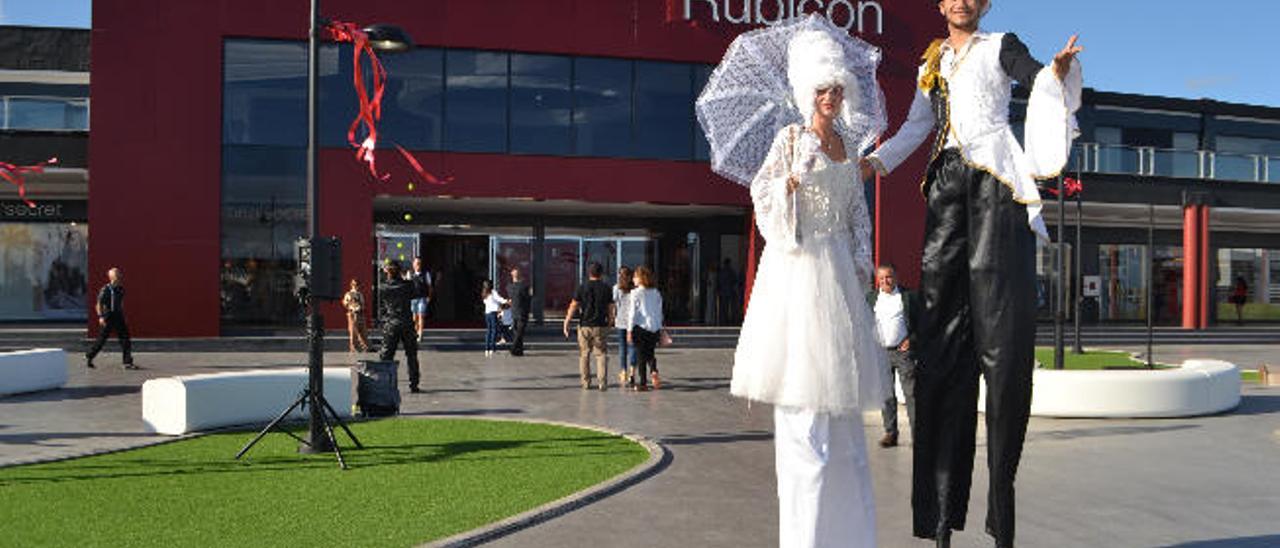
(862, 16)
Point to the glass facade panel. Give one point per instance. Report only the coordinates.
(541, 104)
(602, 107)
(1177, 163)
(701, 148)
(604, 252)
(1235, 167)
(663, 110)
(475, 101)
(413, 106)
(1123, 270)
(563, 256)
(1117, 159)
(46, 113)
(1248, 285)
(1273, 169)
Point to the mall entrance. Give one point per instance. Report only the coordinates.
(686, 248)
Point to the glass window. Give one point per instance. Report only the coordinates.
(1248, 286)
(1247, 145)
(1123, 273)
(47, 113)
(475, 101)
(663, 110)
(45, 271)
(602, 107)
(413, 103)
(1235, 167)
(701, 148)
(541, 104)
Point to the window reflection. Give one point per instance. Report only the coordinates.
(602, 107)
(540, 104)
(663, 110)
(476, 99)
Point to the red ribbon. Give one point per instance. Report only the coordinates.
(13, 174)
(1072, 185)
(370, 102)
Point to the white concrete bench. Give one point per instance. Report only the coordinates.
(32, 370)
(1198, 387)
(178, 405)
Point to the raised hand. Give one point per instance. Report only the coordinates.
(1062, 61)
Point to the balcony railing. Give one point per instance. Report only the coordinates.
(1191, 164)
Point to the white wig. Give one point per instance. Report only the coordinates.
(815, 61)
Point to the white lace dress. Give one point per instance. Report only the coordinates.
(808, 340)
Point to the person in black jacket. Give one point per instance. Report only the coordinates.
(397, 321)
(110, 310)
(521, 301)
(896, 309)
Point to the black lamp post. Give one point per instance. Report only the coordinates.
(317, 264)
(381, 37)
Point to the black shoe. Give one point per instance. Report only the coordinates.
(415, 390)
(889, 440)
(88, 362)
(131, 367)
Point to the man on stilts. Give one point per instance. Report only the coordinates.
(978, 271)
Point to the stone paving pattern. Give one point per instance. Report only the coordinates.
(1203, 482)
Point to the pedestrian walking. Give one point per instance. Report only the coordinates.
(110, 308)
(422, 277)
(644, 328)
(594, 301)
(622, 306)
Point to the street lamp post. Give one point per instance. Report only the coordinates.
(320, 436)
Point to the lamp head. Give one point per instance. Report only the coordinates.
(388, 38)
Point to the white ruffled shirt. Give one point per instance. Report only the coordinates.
(980, 93)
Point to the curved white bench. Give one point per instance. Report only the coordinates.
(1198, 387)
(178, 405)
(32, 370)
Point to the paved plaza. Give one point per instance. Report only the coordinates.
(1205, 482)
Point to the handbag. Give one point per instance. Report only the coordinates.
(664, 338)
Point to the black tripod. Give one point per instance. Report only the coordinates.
(307, 397)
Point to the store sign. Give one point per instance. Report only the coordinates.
(43, 212)
(861, 16)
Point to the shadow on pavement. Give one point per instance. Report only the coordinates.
(35, 438)
(718, 437)
(465, 413)
(74, 393)
(1257, 405)
(1265, 541)
(1106, 431)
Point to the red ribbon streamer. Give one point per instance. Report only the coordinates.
(13, 174)
(370, 102)
(1072, 185)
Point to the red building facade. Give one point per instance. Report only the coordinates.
(156, 148)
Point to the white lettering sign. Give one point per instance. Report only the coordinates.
(862, 16)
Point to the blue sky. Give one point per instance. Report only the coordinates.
(1177, 48)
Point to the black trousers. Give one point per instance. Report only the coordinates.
(904, 366)
(395, 333)
(115, 323)
(518, 325)
(978, 285)
(646, 343)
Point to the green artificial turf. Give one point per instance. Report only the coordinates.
(415, 481)
(1089, 360)
(1252, 311)
(1249, 375)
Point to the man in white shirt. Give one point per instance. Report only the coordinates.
(978, 284)
(895, 311)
